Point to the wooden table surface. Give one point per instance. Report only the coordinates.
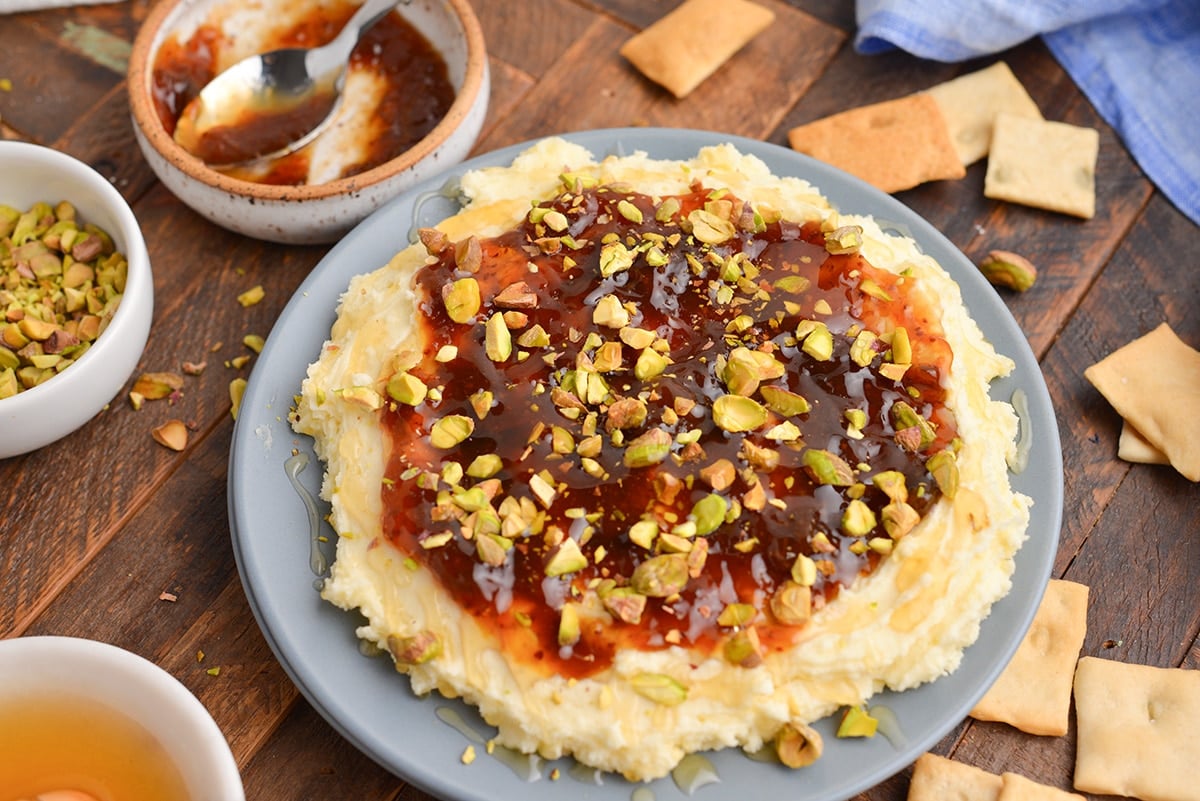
(111, 536)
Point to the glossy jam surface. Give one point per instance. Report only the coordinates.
(417, 96)
(703, 306)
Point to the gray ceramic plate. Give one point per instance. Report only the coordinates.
(373, 707)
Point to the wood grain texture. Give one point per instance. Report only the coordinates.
(95, 528)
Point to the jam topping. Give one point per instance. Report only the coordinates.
(416, 96)
(637, 422)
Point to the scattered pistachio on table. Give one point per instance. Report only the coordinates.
(1007, 269)
(61, 281)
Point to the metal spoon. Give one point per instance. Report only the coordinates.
(272, 104)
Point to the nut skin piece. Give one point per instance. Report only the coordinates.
(1007, 269)
(798, 745)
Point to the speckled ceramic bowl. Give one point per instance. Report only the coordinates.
(50, 411)
(313, 212)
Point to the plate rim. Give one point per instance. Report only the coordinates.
(835, 185)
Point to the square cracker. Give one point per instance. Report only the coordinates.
(971, 102)
(1133, 447)
(1137, 730)
(936, 778)
(1018, 788)
(1154, 383)
(690, 43)
(1034, 691)
(893, 145)
(1048, 165)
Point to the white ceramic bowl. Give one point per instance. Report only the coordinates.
(311, 213)
(135, 687)
(45, 413)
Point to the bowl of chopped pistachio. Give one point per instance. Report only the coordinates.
(76, 295)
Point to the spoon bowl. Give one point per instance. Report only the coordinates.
(271, 104)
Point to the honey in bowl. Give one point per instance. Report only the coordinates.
(70, 747)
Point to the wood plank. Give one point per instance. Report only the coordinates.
(307, 759)
(747, 96)
(531, 35)
(509, 88)
(48, 94)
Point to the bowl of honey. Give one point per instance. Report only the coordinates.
(81, 720)
(413, 103)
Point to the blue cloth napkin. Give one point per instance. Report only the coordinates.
(1138, 62)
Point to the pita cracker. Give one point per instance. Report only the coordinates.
(687, 45)
(971, 102)
(936, 778)
(1018, 788)
(1154, 383)
(1137, 730)
(893, 145)
(1048, 165)
(1033, 693)
(1133, 447)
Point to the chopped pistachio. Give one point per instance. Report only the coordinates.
(858, 519)
(898, 519)
(743, 647)
(497, 339)
(568, 624)
(783, 401)
(1007, 269)
(901, 346)
(791, 604)
(892, 483)
(708, 513)
(643, 533)
(818, 343)
(415, 650)
(735, 413)
(567, 558)
(649, 448)
(625, 604)
(406, 388)
(828, 468)
(844, 239)
(737, 614)
(614, 258)
(944, 468)
(451, 430)
(798, 745)
(857, 722)
(485, 465)
(609, 313)
(461, 299)
(804, 570)
(650, 364)
(660, 576)
(252, 296)
(660, 688)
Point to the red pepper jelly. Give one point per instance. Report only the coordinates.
(639, 422)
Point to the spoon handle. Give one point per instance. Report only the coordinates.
(338, 50)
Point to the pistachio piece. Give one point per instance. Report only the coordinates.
(898, 519)
(892, 483)
(791, 604)
(650, 364)
(736, 413)
(172, 434)
(629, 211)
(485, 465)
(468, 255)
(819, 343)
(567, 558)
(844, 239)
(901, 346)
(415, 650)
(804, 570)
(609, 313)
(737, 614)
(708, 513)
(461, 299)
(435, 241)
(659, 687)
(710, 228)
(156, 386)
(944, 468)
(862, 350)
(637, 338)
(743, 648)
(614, 258)
(625, 413)
(568, 624)
(625, 604)
(905, 417)
(783, 401)
(1007, 269)
(497, 341)
(660, 576)
(516, 295)
(650, 448)
(857, 722)
(719, 475)
(798, 745)
(450, 430)
(828, 468)
(643, 533)
(858, 519)
(406, 388)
